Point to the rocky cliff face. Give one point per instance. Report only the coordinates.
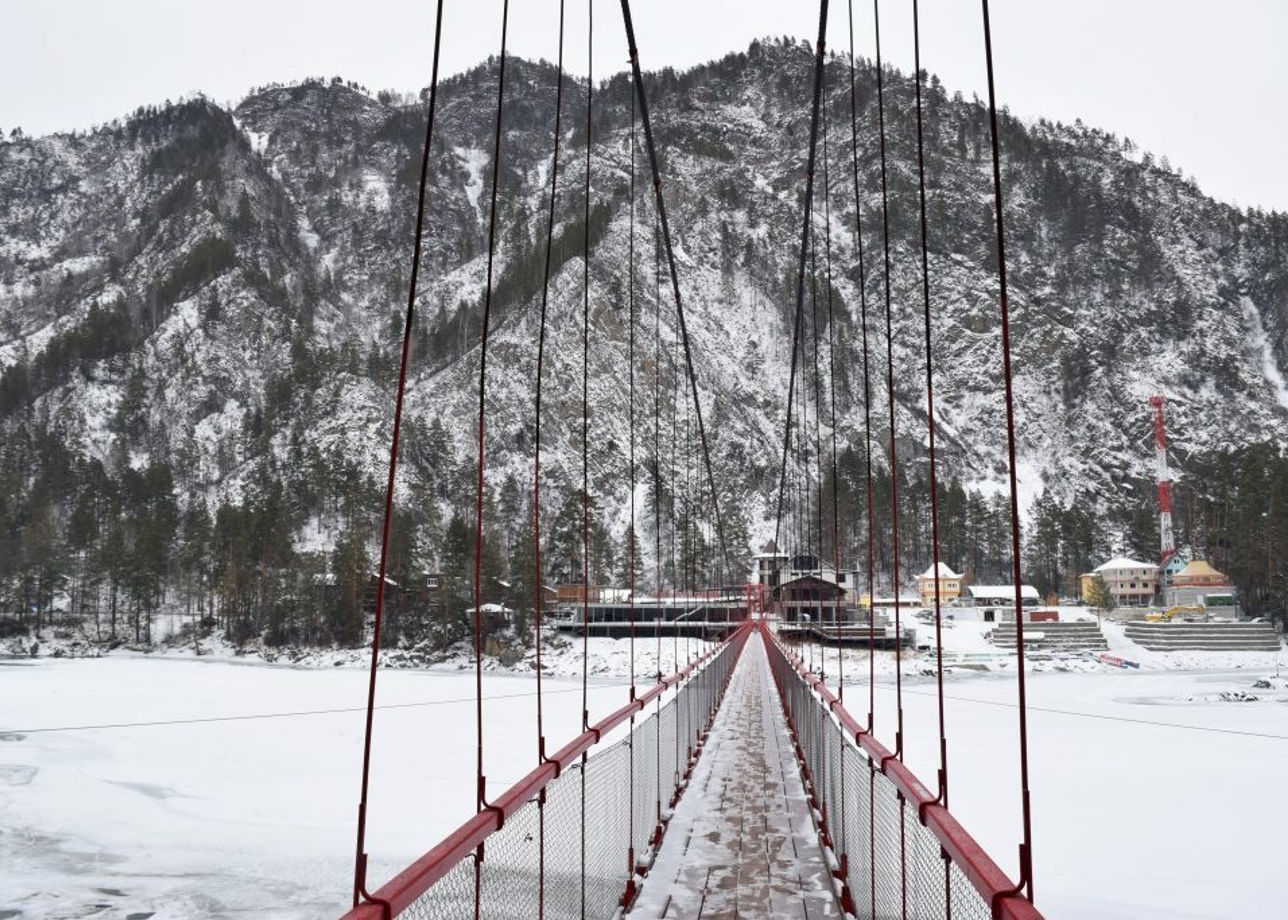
(222, 290)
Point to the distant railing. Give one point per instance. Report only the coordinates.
(899, 853)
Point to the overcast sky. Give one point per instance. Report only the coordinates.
(1204, 83)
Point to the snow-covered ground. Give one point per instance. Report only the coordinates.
(213, 818)
(1153, 791)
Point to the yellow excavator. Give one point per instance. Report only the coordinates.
(1177, 610)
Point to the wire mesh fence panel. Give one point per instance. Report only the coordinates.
(509, 874)
(644, 808)
(833, 791)
(450, 898)
(668, 746)
(855, 826)
(563, 845)
(887, 824)
(968, 903)
(606, 828)
(926, 867)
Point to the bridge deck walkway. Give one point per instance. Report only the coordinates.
(741, 843)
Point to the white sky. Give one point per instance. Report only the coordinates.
(1204, 83)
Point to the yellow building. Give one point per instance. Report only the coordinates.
(950, 585)
(1130, 583)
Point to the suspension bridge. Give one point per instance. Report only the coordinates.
(740, 785)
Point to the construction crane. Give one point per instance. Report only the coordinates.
(1168, 543)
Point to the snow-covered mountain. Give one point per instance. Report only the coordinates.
(211, 287)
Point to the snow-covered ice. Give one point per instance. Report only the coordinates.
(212, 819)
(1152, 788)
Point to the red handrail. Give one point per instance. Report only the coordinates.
(985, 876)
(404, 888)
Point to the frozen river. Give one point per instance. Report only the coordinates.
(1152, 797)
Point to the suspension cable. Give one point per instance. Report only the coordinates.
(819, 57)
(632, 537)
(867, 387)
(1026, 848)
(585, 381)
(930, 411)
(818, 439)
(657, 505)
(360, 854)
(894, 460)
(657, 443)
(831, 387)
(536, 465)
(541, 352)
(836, 505)
(585, 436)
(481, 793)
(670, 257)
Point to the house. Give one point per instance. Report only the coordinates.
(1002, 595)
(995, 603)
(809, 598)
(950, 585)
(767, 565)
(1171, 567)
(1130, 583)
(775, 569)
(1200, 584)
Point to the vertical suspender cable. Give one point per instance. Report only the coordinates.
(930, 412)
(541, 352)
(836, 505)
(1026, 848)
(889, 328)
(481, 796)
(894, 460)
(657, 508)
(930, 429)
(867, 388)
(867, 464)
(360, 856)
(818, 440)
(585, 381)
(831, 389)
(632, 537)
(536, 467)
(585, 437)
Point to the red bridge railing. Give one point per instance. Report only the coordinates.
(899, 852)
(570, 839)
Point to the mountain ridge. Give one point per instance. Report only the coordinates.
(250, 267)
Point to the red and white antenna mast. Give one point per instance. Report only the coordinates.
(1164, 483)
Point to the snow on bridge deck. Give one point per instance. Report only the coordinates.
(741, 843)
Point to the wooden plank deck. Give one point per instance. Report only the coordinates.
(741, 843)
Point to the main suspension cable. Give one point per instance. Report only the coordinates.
(670, 257)
(360, 855)
(820, 52)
